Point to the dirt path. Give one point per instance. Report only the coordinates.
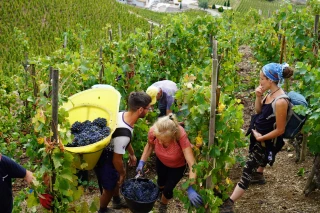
(283, 191)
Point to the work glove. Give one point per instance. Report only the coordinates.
(194, 197)
(46, 200)
(140, 167)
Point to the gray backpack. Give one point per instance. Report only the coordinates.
(294, 121)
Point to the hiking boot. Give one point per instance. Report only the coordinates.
(120, 204)
(163, 208)
(227, 206)
(258, 178)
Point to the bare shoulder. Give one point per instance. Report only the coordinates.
(282, 103)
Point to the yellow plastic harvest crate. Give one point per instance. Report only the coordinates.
(89, 105)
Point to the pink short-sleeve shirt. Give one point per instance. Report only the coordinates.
(171, 156)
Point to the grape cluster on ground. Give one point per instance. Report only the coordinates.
(87, 132)
(141, 191)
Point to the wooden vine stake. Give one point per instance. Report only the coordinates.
(110, 35)
(55, 92)
(149, 38)
(65, 41)
(317, 36)
(130, 74)
(279, 35)
(283, 46)
(310, 186)
(33, 78)
(212, 127)
(303, 152)
(50, 81)
(120, 34)
(26, 68)
(101, 72)
(282, 58)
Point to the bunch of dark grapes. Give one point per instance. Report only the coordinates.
(87, 132)
(77, 127)
(141, 191)
(100, 122)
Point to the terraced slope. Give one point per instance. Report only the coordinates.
(45, 21)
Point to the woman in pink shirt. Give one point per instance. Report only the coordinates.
(173, 152)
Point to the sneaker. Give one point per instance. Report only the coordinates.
(163, 208)
(227, 206)
(258, 178)
(118, 205)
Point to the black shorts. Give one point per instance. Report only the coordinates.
(106, 173)
(168, 177)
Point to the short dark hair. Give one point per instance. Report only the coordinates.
(137, 100)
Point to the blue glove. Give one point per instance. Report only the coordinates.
(194, 197)
(140, 167)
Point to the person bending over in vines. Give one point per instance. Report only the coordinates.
(173, 150)
(163, 92)
(264, 135)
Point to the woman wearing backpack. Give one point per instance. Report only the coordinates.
(261, 150)
(173, 152)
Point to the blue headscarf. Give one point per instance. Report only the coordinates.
(274, 71)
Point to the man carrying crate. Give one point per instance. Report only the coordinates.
(110, 170)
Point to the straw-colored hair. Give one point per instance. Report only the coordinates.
(167, 127)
